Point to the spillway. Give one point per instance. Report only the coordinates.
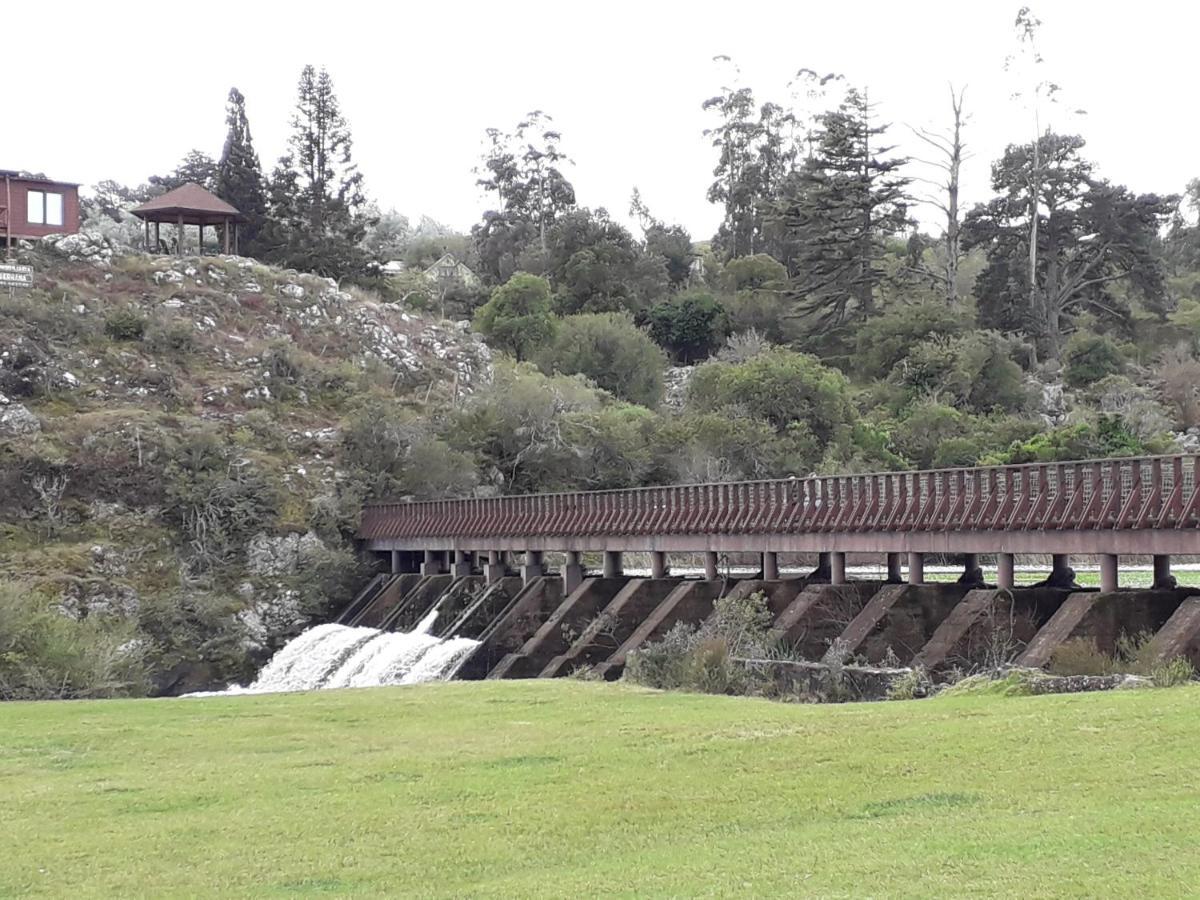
(341, 656)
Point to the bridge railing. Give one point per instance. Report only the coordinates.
(1134, 493)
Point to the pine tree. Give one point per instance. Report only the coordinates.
(316, 190)
(239, 176)
(843, 203)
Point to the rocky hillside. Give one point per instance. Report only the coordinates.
(175, 465)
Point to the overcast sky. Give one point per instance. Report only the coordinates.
(123, 89)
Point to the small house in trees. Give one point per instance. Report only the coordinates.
(32, 206)
(448, 271)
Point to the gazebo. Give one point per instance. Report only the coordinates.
(190, 205)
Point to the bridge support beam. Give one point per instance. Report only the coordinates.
(658, 564)
(613, 566)
(710, 566)
(916, 568)
(572, 572)
(1006, 571)
(837, 567)
(1162, 572)
(461, 567)
(894, 566)
(1108, 572)
(533, 567)
(434, 560)
(397, 564)
(493, 569)
(1059, 563)
(770, 566)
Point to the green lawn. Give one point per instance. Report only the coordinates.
(567, 788)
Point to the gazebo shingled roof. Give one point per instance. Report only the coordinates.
(198, 206)
(189, 204)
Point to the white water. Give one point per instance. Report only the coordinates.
(339, 656)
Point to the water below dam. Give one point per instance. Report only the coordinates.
(342, 656)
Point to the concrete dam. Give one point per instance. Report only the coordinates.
(479, 565)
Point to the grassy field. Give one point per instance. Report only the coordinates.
(567, 788)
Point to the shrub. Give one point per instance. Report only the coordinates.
(915, 683)
(194, 641)
(691, 325)
(46, 655)
(176, 336)
(610, 350)
(519, 317)
(703, 659)
(780, 387)
(973, 371)
(884, 340)
(1134, 655)
(125, 325)
(1179, 374)
(1090, 357)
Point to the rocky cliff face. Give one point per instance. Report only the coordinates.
(171, 440)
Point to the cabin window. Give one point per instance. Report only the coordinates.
(45, 208)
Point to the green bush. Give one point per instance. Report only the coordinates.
(193, 641)
(177, 336)
(125, 325)
(691, 325)
(47, 655)
(886, 339)
(703, 658)
(612, 351)
(1089, 358)
(780, 387)
(972, 371)
(519, 317)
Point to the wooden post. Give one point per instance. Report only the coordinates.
(227, 235)
(147, 224)
(201, 238)
(179, 242)
(157, 237)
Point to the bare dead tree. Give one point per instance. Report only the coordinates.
(949, 151)
(50, 492)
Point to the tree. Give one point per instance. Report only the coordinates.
(519, 317)
(595, 265)
(949, 149)
(610, 350)
(672, 243)
(691, 325)
(846, 199)
(388, 236)
(316, 190)
(1090, 234)
(239, 179)
(524, 171)
(196, 167)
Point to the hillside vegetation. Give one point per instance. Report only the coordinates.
(565, 788)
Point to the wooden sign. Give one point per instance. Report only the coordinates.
(12, 276)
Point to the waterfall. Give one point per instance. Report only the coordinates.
(339, 656)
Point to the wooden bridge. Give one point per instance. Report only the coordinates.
(1145, 506)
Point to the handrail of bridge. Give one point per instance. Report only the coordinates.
(1157, 492)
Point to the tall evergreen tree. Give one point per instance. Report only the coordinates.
(843, 203)
(316, 189)
(239, 176)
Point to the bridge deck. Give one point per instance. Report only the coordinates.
(1147, 505)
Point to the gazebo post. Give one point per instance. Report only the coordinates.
(201, 227)
(157, 237)
(227, 235)
(179, 240)
(147, 224)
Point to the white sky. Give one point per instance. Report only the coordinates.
(123, 89)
